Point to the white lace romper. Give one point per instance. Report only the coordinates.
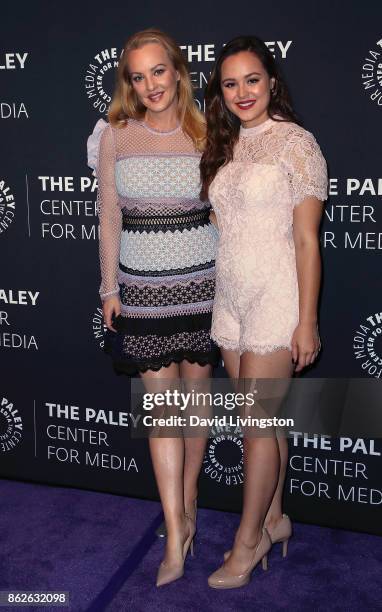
(276, 165)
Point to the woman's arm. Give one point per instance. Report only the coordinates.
(213, 218)
(306, 222)
(307, 174)
(110, 226)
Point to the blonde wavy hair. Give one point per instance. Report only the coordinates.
(125, 103)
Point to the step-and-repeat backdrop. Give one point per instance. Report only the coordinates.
(63, 411)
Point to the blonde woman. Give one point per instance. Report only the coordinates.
(157, 255)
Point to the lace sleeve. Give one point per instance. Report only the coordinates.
(109, 214)
(306, 167)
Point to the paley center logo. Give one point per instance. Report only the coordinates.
(7, 206)
(223, 461)
(367, 345)
(13, 61)
(8, 108)
(11, 426)
(9, 336)
(372, 73)
(99, 327)
(99, 78)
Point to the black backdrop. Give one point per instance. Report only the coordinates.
(52, 59)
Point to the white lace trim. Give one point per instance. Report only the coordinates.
(257, 349)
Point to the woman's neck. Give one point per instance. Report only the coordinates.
(164, 121)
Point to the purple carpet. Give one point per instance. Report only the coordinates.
(102, 549)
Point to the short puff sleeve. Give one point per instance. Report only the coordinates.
(93, 144)
(306, 167)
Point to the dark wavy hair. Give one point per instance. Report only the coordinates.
(223, 126)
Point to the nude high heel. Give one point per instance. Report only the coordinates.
(280, 534)
(222, 579)
(166, 573)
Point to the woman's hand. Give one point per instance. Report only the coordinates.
(213, 218)
(306, 345)
(111, 306)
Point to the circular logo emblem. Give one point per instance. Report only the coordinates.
(100, 79)
(372, 73)
(223, 461)
(99, 327)
(367, 345)
(7, 206)
(11, 426)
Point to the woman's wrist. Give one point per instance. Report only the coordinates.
(105, 296)
(308, 321)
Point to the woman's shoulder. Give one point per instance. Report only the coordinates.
(298, 142)
(302, 159)
(112, 139)
(125, 125)
(290, 129)
(93, 143)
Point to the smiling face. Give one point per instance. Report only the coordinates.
(153, 77)
(246, 87)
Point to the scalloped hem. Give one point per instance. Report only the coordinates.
(225, 344)
(256, 349)
(133, 367)
(264, 349)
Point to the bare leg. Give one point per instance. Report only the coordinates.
(274, 513)
(167, 456)
(194, 446)
(231, 363)
(261, 464)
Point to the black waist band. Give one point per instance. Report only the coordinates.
(158, 223)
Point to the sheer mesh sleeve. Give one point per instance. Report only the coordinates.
(110, 216)
(306, 167)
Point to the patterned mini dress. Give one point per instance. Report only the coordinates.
(157, 248)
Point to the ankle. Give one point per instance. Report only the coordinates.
(272, 520)
(248, 540)
(190, 507)
(175, 523)
(176, 535)
(190, 500)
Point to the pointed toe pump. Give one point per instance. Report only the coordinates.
(169, 573)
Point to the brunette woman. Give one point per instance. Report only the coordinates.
(266, 179)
